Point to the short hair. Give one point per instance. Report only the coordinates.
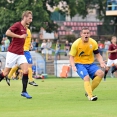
(113, 37)
(26, 13)
(85, 28)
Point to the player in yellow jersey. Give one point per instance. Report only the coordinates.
(28, 57)
(82, 61)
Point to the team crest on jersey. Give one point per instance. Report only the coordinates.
(90, 46)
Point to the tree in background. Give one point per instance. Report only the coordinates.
(11, 11)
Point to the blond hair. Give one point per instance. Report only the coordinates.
(26, 13)
(113, 37)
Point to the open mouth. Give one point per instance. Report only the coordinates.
(86, 37)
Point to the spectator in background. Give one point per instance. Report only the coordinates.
(34, 69)
(67, 48)
(6, 43)
(2, 46)
(101, 47)
(33, 44)
(106, 44)
(36, 45)
(58, 47)
(49, 49)
(43, 47)
(3, 39)
(0, 65)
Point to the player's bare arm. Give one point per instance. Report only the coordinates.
(100, 60)
(72, 63)
(11, 34)
(112, 51)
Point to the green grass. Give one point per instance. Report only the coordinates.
(57, 97)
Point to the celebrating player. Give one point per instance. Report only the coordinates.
(82, 61)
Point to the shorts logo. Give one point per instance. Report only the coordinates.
(81, 72)
(7, 63)
(22, 30)
(30, 59)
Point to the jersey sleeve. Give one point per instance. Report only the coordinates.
(29, 33)
(14, 27)
(95, 46)
(110, 48)
(74, 49)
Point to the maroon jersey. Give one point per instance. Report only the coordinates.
(113, 55)
(17, 44)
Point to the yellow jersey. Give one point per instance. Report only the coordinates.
(83, 52)
(27, 43)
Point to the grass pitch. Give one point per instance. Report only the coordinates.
(56, 97)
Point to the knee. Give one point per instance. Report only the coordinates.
(25, 71)
(100, 73)
(6, 72)
(87, 78)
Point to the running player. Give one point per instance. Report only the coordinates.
(112, 57)
(28, 57)
(15, 52)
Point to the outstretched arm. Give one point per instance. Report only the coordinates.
(72, 63)
(100, 60)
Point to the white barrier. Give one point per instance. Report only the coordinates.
(38, 60)
(58, 64)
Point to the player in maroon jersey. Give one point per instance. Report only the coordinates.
(112, 57)
(15, 52)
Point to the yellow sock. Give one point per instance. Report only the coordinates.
(88, 89)
(13, 70)
(30, 74)
(19, 77)
(95, 82)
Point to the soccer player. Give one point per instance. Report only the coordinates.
(15, 52)
(82, 61)
(112, 57)
(28, 57)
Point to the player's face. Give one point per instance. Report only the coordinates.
(28, 19)
(114, 40)
(85, 34)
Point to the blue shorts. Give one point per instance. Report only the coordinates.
(28, 57)
(86, 69)
(57, 52)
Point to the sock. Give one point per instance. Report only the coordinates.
(30, 74)
(19, 77)
(88, 89)
(1, 76)
(105, 73)
(17, 73)
(24, 82)
(13, 70)
(113, 69)
(95, 82)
